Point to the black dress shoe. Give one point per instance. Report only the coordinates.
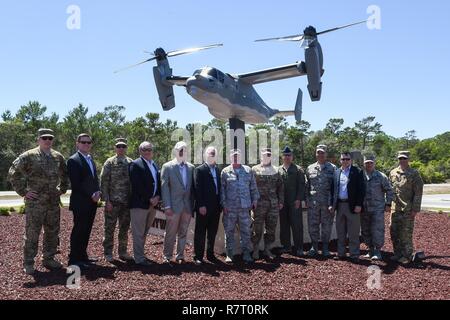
(212, 259)
(79, 264)
(90, 261)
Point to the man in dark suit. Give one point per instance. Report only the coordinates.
(145, 194)
(348, 201)
(83, 200)
(207, 207)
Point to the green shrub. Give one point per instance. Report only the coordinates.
(4, 212)
(22, 209)
(12, 209)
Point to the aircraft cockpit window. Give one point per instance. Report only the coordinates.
(210, 72)
(220, 76)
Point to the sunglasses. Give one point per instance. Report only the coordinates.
(346, 159)
(47, 138)
(85, 142)
(402, 158)
(121, 146)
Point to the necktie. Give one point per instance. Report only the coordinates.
(91, 165)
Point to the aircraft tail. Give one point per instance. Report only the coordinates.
(298, 108)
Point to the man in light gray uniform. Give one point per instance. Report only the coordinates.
(379, 196)
(320, 192)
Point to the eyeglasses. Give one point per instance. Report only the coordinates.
(147, 149)
(85, 142)
(121, 146)
(346, 159)
(47, 138)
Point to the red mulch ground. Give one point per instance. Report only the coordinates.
(287, 277)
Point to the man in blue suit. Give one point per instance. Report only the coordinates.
(145, 194)
(83, 200)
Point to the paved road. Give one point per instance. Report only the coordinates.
(436, 201)
(13, 200)
(441, 201)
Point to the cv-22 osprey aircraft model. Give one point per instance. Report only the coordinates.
(233, 96)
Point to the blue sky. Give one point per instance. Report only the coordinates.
(398, 74)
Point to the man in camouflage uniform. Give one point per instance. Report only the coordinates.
(115, 188)
(291, 216)
(40, 176)
(271, 191)
(320, 190)
(408, 189)
(378, 200)
(239, 196)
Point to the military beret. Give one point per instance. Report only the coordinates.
(287, 150)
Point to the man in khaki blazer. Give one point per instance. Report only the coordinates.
(178, 202)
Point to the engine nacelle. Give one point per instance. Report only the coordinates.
(314, 65)
(165, 89)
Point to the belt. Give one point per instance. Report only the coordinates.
(343, 200)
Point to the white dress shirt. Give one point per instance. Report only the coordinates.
(151, 166)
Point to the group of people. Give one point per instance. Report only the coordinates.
(252, 199)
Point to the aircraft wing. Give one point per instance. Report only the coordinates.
(277, 73)
(176, 80)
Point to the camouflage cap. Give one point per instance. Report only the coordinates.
(321, 147)
(235, 151)
(403, 154)
(43, 132)
(266, 150)
(287, 150)
(121, 141)
(369, 158)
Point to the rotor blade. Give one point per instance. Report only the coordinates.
(135, 65)
(306, 42)
(192, 50)
(148, 52)
(341, 27)
(295, 37)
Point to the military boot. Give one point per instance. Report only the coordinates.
(370, 254)
(376, 255)
(268, 253)
(52, 264)
(246, 257)
(404, 260)
(313, 251)
(395, 257)
(325, 251)
(229, 258)
(29, 269)
(255, 254)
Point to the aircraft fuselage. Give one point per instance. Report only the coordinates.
(228, 97)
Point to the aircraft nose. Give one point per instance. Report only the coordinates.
(192, 84)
